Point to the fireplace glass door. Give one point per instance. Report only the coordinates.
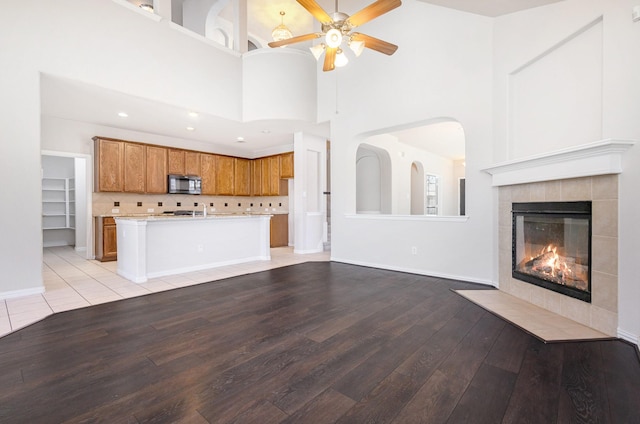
(552, 246)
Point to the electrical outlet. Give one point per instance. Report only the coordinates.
(414, 250)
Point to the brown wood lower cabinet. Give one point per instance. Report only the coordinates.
(280, 230)
(106, 239)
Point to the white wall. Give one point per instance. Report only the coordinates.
(602, 101)
(442, 69)
(310, 157)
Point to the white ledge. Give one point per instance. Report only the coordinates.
(599, 158)
(389, 217)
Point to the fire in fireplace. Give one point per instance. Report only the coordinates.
(551, 246)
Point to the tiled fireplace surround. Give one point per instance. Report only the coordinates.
(587, 172)
(602, 313)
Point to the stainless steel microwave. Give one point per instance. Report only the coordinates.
(185, 184)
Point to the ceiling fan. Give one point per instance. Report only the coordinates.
(338, 27)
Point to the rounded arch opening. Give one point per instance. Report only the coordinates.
(373, 180)
(426, 168)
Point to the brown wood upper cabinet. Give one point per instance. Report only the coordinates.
(175, 161)
(108, 161)
(242, 178)
(208, 173)
(274, 175)
(134, 168)
(191, 163)
(123, 166)
(265, 185)
(225, 174)
(286, 165)
(156, 169)
(256, 177)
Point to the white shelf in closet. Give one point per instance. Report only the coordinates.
(58, 203)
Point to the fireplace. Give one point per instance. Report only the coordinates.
(551, 246)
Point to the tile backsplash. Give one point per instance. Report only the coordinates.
(131, 203)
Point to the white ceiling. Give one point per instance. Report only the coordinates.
(67, 99)
(73, 100)
(491, 8)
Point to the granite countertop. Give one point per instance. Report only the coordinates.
(198, 214)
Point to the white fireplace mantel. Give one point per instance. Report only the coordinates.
(599, 158)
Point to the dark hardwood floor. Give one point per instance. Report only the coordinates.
(312, 343)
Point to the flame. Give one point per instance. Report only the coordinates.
(552, 265)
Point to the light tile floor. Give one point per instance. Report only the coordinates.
(72, 282)
(538, 321)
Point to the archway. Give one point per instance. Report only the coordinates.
(373, 180)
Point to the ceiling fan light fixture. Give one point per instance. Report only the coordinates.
(317, 50)
(357, 47)
(333, 38)
(281, 32)
(341, 59)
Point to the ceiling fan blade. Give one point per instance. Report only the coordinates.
(297, 39)
(317, 11)
(372, 11)
(375, 43)
(330, 59)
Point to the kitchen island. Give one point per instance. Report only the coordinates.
(155, 246)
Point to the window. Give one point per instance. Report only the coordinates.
(431, 197)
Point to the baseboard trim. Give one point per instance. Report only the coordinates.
(416, 271)
(630, 337)
(20, 293)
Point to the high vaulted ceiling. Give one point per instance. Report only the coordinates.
(80, 102)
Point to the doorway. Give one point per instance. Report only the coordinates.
(66, 201)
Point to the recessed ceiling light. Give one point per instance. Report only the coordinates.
(123, 114)
(193, 114)
(190, 129)
(240, 139)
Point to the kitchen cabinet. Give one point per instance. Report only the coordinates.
(225, 174)
(269, 168)
(256, 177)
(183, 162)
(208, 173)
(274, 175)
(265, 184)
(106, 239)
(129, 167)
(134, 168)
(286, 165)
(108, 162)
(242, 178)
(176, 161)
(156, 169)
(191, 163)
(279, 230)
